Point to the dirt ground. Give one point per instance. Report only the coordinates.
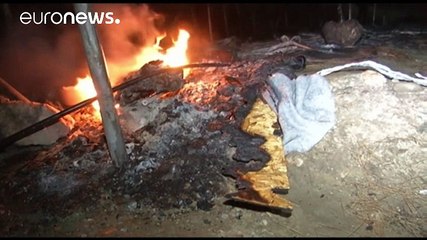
(365, 178)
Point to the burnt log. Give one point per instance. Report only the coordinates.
(169, 81)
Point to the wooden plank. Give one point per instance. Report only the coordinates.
(13, 90)
(265, 185)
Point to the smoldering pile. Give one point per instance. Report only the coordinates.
(182, 143)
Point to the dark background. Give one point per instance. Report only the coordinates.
(39, 60)
(264, 21)
(261, 21)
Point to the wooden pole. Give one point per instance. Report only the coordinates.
(210, 23)
(373, 14)
(14, 91)
(339, 8)
(194, 18)
(286, 19)
(7, 14)
(253, 20)
(224, 11)
(239, 17)
(102, 85)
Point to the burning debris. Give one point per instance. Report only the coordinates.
(200, 125)
(166, 82)
(183, 133)
(179, 145)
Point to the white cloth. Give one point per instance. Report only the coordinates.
(384, 70)
(305, 107)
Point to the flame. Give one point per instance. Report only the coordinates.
(175, 56)
(87, 90)
(83, 90)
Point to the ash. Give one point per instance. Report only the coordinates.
(175, 161)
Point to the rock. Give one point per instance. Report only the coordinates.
(373, 79)
(422, 107)
(264, 222)
(346, 33)
(140, 113)
(17, 115)
(407, 87)
(132, 206)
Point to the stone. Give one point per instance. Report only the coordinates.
(17, 115)
(401, 87)
(345, 33)
(373, 79)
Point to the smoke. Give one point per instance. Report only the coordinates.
(39, 60)
(138, 28)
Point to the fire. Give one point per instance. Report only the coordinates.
(175, 56)
(83, 90)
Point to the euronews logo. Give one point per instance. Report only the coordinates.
(68, 18)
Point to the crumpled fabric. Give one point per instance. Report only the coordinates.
(305, 107)
(384, 70)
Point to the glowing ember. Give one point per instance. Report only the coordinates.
(174, 57)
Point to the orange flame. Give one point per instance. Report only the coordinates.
(83, 90)
(177, 55)
(174, 57)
